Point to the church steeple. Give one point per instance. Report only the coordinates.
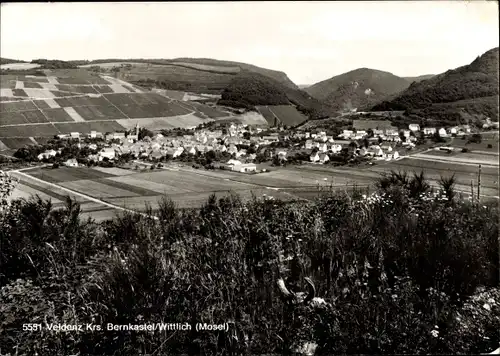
(137, 129)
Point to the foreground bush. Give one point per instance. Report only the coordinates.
(396, 270)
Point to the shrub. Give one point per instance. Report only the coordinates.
(391, 266)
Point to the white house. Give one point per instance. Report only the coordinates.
(191, 150)
(281, 154)
(71, 163)
(414, 127)
(309, 145)
(107, 152)
(318, 157)
(453, 131)
(47, 154)
(245, 167)
(314, 157)
(74, 135)
(94, 134)
(442, 132)
(178, 151)
(323, 147)
(347, 133)
(336, 148)
(393, 155)
(429, 131)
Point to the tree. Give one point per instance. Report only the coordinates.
(143, 132)
(437, 138)
(246, 135)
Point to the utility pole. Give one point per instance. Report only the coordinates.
(478, 183)
(472, 190)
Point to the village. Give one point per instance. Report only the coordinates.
(241, 147)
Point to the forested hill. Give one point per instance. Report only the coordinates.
(359, 88)
(471, 89)
(248, 90)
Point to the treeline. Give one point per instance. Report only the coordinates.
(54, 64)
(8, 60)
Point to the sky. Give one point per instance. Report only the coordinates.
(309, 41)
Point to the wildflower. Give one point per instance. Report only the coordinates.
(486, 306)
(435, 333)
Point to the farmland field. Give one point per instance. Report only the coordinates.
(15, 143)
(91, 113)
(17, 106)
(67, 174)
(97, 189)
(34, 117)
(77, 101)
(32, 85)
(57, 115)
(80, 89)
(459, 157)
(28, 130)
(20, 92)
(86, 127)
(288, 114)
(174, 94)
(159, 123)
(113, 171)
(41, 104)
(12, 118)
(210, 111)
(267, 114)
(103, 89)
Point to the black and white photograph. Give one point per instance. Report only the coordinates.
(249, 178)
